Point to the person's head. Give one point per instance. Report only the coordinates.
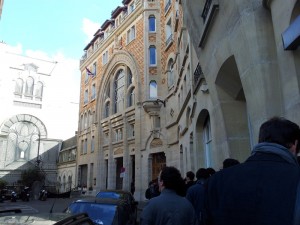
(230, 162)
(202, 173)
(170, 178)
(281, 131)
(190, 176)
(210, 171)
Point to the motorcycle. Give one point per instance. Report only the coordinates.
(13, 196)
(43, 195)
(25, 194)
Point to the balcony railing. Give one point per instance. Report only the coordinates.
(198, 74)
(168, 5)
(206, 9)
(169, 40)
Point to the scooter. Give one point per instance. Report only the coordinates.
(43, 195)
(25, 194)
(13, 196)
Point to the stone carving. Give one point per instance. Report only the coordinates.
(119, 151)
(156, 142)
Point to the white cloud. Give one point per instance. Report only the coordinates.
(89, 28)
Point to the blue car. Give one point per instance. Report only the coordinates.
(104, 211)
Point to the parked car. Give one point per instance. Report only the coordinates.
(106, 211)
(15, 215)
(120, 194)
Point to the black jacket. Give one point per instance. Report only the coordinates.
(260, 191)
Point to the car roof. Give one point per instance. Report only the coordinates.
(110, 201)
(116, 191)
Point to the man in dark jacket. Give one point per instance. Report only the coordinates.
(170, 207)
(196, 193)
(262, 190)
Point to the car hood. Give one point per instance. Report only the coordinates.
(39, 219)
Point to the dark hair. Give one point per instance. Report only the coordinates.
(172, 179)
(210, 171)
(230, 162)
(190, 175)
(202, 174)
(280, 131)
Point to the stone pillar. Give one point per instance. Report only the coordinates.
(126, 158)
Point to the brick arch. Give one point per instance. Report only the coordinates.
(121, 58)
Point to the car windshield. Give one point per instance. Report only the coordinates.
(113, 195)
(101, 214)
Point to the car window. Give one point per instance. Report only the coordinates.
(108, 195)
(98, 213)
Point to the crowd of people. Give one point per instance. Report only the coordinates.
(263, 190)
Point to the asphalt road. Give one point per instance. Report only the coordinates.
(57, 205)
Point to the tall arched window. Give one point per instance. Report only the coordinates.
(152, 55)
(207, 142)
(85, 120)
(119, 90)
(19, 86)
(129, 77)
(152, 23)
(153, 89)
(29, 86)
(131, 97)
(106, 113)
(82, 123)
(39, 90)
(170, 73)
(90, 119)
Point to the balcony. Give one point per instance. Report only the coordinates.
(169, 41)
(167, 6)
(152, 106)
(208, 14)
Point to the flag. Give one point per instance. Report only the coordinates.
(89, 72)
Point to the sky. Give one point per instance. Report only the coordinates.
(55, 31)
(53, 26)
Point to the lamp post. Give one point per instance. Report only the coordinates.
(38, 161)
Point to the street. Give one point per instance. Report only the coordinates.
(54, 205)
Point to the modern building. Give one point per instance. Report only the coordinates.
(33, 121)
(138, 110)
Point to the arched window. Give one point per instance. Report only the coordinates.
(106, 113)
(64, 183)
(152, 23)
(152, 55)
(39, 90)
(131, 97)
(90, 119)
(69, 183)
(108, 91)
(207, 142)
(82, 123)
(119, 91)
(19, 86)
(153, 89)
(170, 73)
(129, 77)
(29, 86)
(85, 120)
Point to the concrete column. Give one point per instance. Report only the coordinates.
(126, 158)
